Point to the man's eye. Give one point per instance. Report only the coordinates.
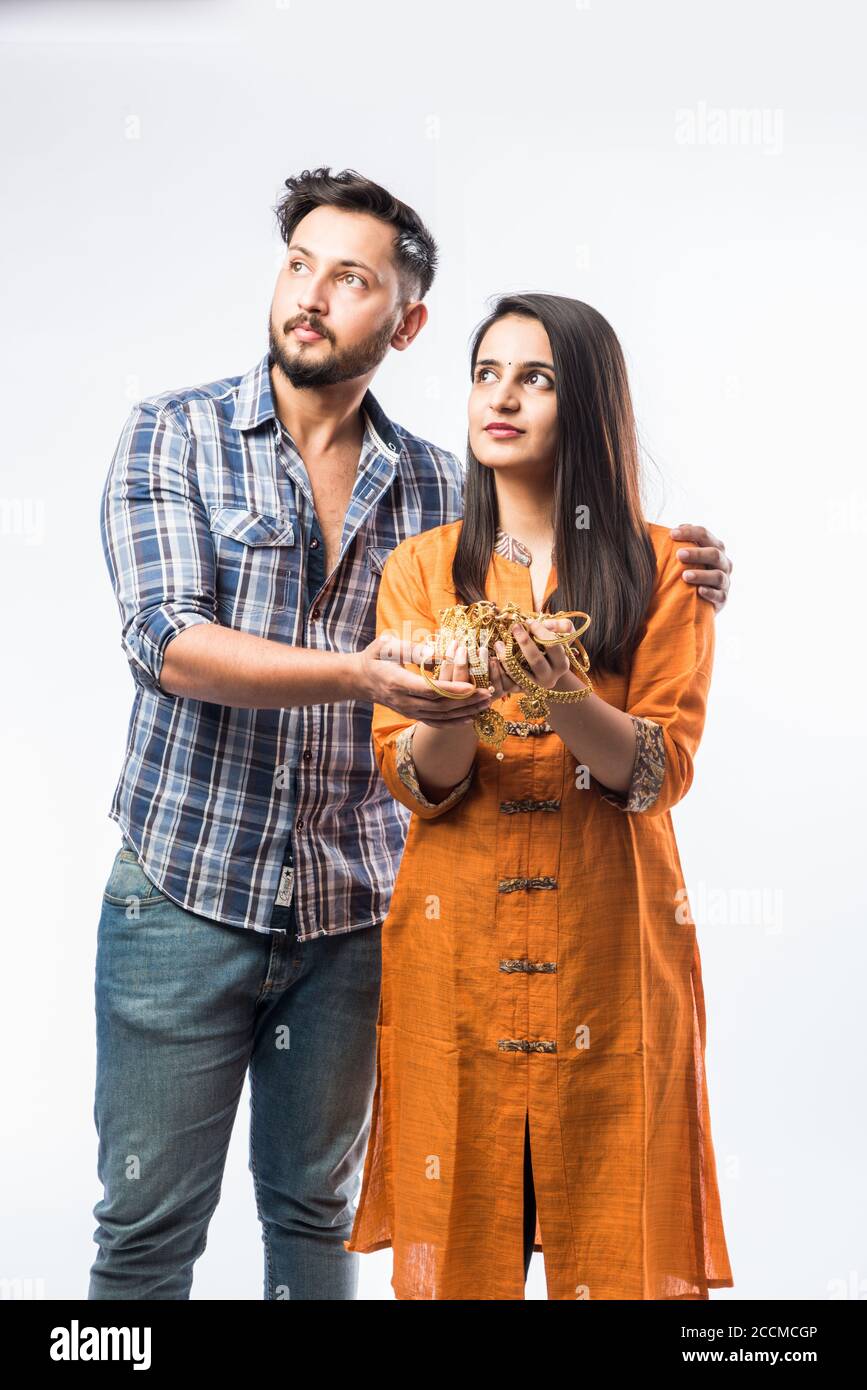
(352, 276)
(292, 264)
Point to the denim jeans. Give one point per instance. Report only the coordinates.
(184, 1007)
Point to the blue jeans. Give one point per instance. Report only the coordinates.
(184, 1006)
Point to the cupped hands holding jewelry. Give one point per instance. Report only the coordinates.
(549, 645)
(551, 667)
(455, 667)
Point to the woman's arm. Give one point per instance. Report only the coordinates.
(444, 754)
(643, 756)
(601, 737)
(428, 768)
(443, 757)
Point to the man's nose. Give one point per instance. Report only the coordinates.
(311, 296)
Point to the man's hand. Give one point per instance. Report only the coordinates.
(711, 565)
(383, 677)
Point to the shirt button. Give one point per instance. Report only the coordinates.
(307, 755)
(314, 543)
(317, 612)
(299, 824)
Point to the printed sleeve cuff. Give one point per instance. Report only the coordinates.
(648, 770)
(406, 771)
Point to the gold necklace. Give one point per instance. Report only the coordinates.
(478, 626)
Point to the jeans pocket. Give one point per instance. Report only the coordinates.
(128, 883)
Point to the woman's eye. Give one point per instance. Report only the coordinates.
(538, 377)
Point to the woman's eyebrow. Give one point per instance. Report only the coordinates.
(492, 362)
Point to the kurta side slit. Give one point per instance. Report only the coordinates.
(529, 1201)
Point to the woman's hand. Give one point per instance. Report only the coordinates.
(499, 677)
(549, 667)
(455, 667)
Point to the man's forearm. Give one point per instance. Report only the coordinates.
(226, 667)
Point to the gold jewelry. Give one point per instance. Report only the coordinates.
(477, 626)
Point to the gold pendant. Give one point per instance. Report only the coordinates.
(533, 707)
(491, 728)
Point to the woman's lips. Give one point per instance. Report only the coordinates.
(502, 431)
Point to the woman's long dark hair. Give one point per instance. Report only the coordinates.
(608, 569)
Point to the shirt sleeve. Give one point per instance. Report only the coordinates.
(667, 692)
(156, 540)
(402, 609)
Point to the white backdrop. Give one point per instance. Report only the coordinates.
(694, 171)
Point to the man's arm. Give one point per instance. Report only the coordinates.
(161, 558)
(226, 667)
(162, 562)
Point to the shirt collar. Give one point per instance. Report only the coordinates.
(254, 405)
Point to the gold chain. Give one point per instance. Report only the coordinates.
(478, 626)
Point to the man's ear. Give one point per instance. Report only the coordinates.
(412, 322)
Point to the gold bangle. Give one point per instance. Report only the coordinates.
(478, 626)
(535, 704)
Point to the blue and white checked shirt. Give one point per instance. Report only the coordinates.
(207, 515)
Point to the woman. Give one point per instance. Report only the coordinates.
(541, 981)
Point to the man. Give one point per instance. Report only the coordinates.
(245, 523)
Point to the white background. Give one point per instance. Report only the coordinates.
(590, 150)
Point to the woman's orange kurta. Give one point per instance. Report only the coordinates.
(539, 959)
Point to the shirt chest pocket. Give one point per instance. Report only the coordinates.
(257, 560)
(377, 556)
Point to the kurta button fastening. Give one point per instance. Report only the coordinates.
(542, 967)
(528, 804)
(512, 885)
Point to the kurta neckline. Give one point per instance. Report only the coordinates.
(509, 549)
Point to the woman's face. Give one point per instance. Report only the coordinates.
(513, 387)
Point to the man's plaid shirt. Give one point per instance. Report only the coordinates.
(206, 516)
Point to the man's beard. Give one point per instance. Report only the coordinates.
(339, 366)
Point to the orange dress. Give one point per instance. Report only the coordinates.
(539, 960)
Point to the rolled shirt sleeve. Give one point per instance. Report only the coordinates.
(156, 539)
(667, 691)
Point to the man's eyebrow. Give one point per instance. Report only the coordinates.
(363, 264)
(492, 362)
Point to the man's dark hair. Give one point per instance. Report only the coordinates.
(415, 250)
